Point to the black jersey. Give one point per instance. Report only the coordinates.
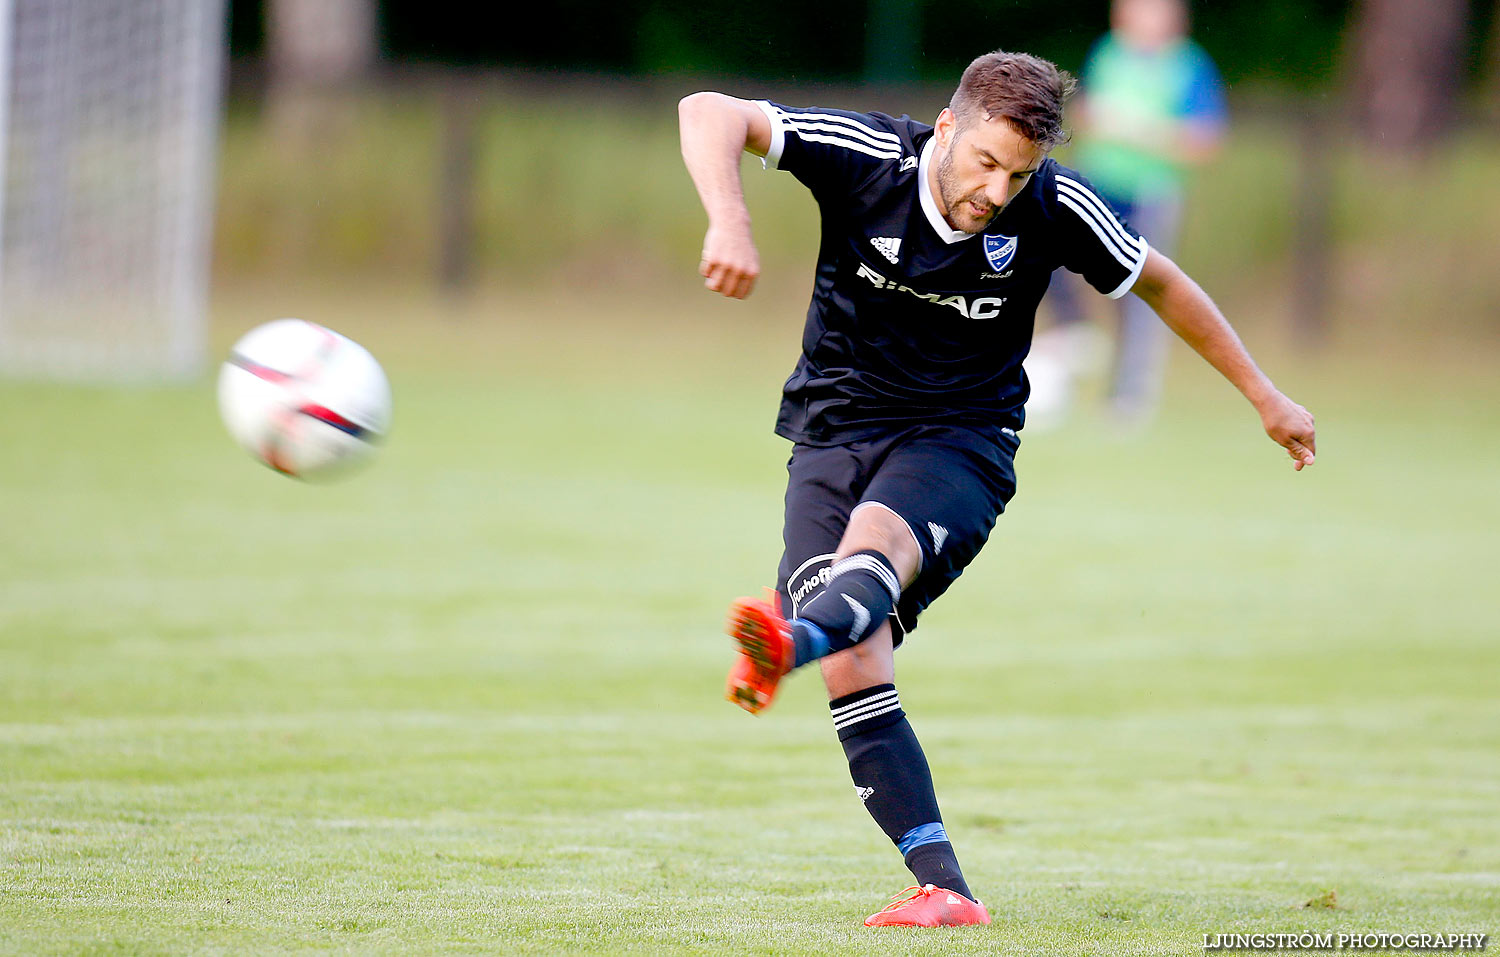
(912, 321)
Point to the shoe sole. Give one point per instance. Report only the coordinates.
(748, 698)
(969, 922)
(749, 626)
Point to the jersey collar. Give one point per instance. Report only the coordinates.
(929, 204)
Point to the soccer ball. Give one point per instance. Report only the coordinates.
(303, 399)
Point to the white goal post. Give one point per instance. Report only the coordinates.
(109, 116)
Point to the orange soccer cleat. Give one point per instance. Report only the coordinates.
(766, 651)
(929, 906)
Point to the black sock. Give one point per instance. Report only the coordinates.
(935, 863)
(862, 590)
(891, 776)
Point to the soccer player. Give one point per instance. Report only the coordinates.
(904, 406)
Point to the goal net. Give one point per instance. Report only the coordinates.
(108, 132)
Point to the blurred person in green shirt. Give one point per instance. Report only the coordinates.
(1152, 107)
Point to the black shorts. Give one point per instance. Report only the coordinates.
(947, 483)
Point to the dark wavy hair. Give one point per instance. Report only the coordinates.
(1024, 90)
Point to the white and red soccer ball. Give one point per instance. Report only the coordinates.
(303, 399)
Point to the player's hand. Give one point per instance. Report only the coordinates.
(730, 262)
(1291, 427)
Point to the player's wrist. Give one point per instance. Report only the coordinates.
(731, 220)
(1262, 394)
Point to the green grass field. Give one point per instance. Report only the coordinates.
(469, 701)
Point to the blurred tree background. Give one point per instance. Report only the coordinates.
(384, 137)
(1278, 43)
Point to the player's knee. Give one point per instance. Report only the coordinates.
(877, 528)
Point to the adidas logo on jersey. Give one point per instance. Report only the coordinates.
(909, 163)
(887, 246)
(864, 793)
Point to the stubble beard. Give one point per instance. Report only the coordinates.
(957, 205)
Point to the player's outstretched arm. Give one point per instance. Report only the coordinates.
(716, 129)
(1188, 311)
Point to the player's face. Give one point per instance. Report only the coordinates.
(981, 169)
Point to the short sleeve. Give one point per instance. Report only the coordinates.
(830, 150)
(1095, 241)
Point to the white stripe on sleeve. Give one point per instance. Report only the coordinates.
(1135, 274)
(844, 126)
(778, 134)
(873, 132)
(1110, 243)
(1099, 209)
(846, 143)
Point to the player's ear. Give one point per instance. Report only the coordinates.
(944, 127)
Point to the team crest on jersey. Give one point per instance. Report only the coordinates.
(999, 250)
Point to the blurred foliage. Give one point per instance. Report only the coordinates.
(1282, 42)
